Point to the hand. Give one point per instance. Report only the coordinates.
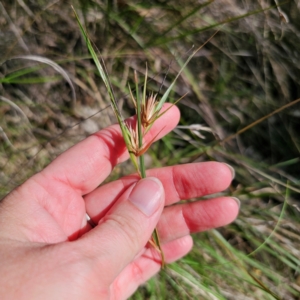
(48, 249)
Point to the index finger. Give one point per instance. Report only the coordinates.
(84, 166)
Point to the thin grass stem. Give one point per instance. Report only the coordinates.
(139, 126)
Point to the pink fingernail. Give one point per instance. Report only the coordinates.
(237, 201)
(231, 169)
(147, 195)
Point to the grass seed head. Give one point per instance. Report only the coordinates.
(149, 111)
(134, 140)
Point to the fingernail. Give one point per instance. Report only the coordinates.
(231, 169)
(147, 195)
(237, 201)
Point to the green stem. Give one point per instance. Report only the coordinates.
(139, 127)
(142, 168)
(156, 239)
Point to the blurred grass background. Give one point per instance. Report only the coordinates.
(51, 97)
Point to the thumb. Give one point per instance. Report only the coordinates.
(126, 228)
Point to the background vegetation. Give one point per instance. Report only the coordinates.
(51, 97)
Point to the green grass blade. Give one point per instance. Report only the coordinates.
(33, 80)
(105, 78)
(97, 62)
(164, 40)
(184, 18)
(12, 77)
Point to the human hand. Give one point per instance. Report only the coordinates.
(48, 249)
